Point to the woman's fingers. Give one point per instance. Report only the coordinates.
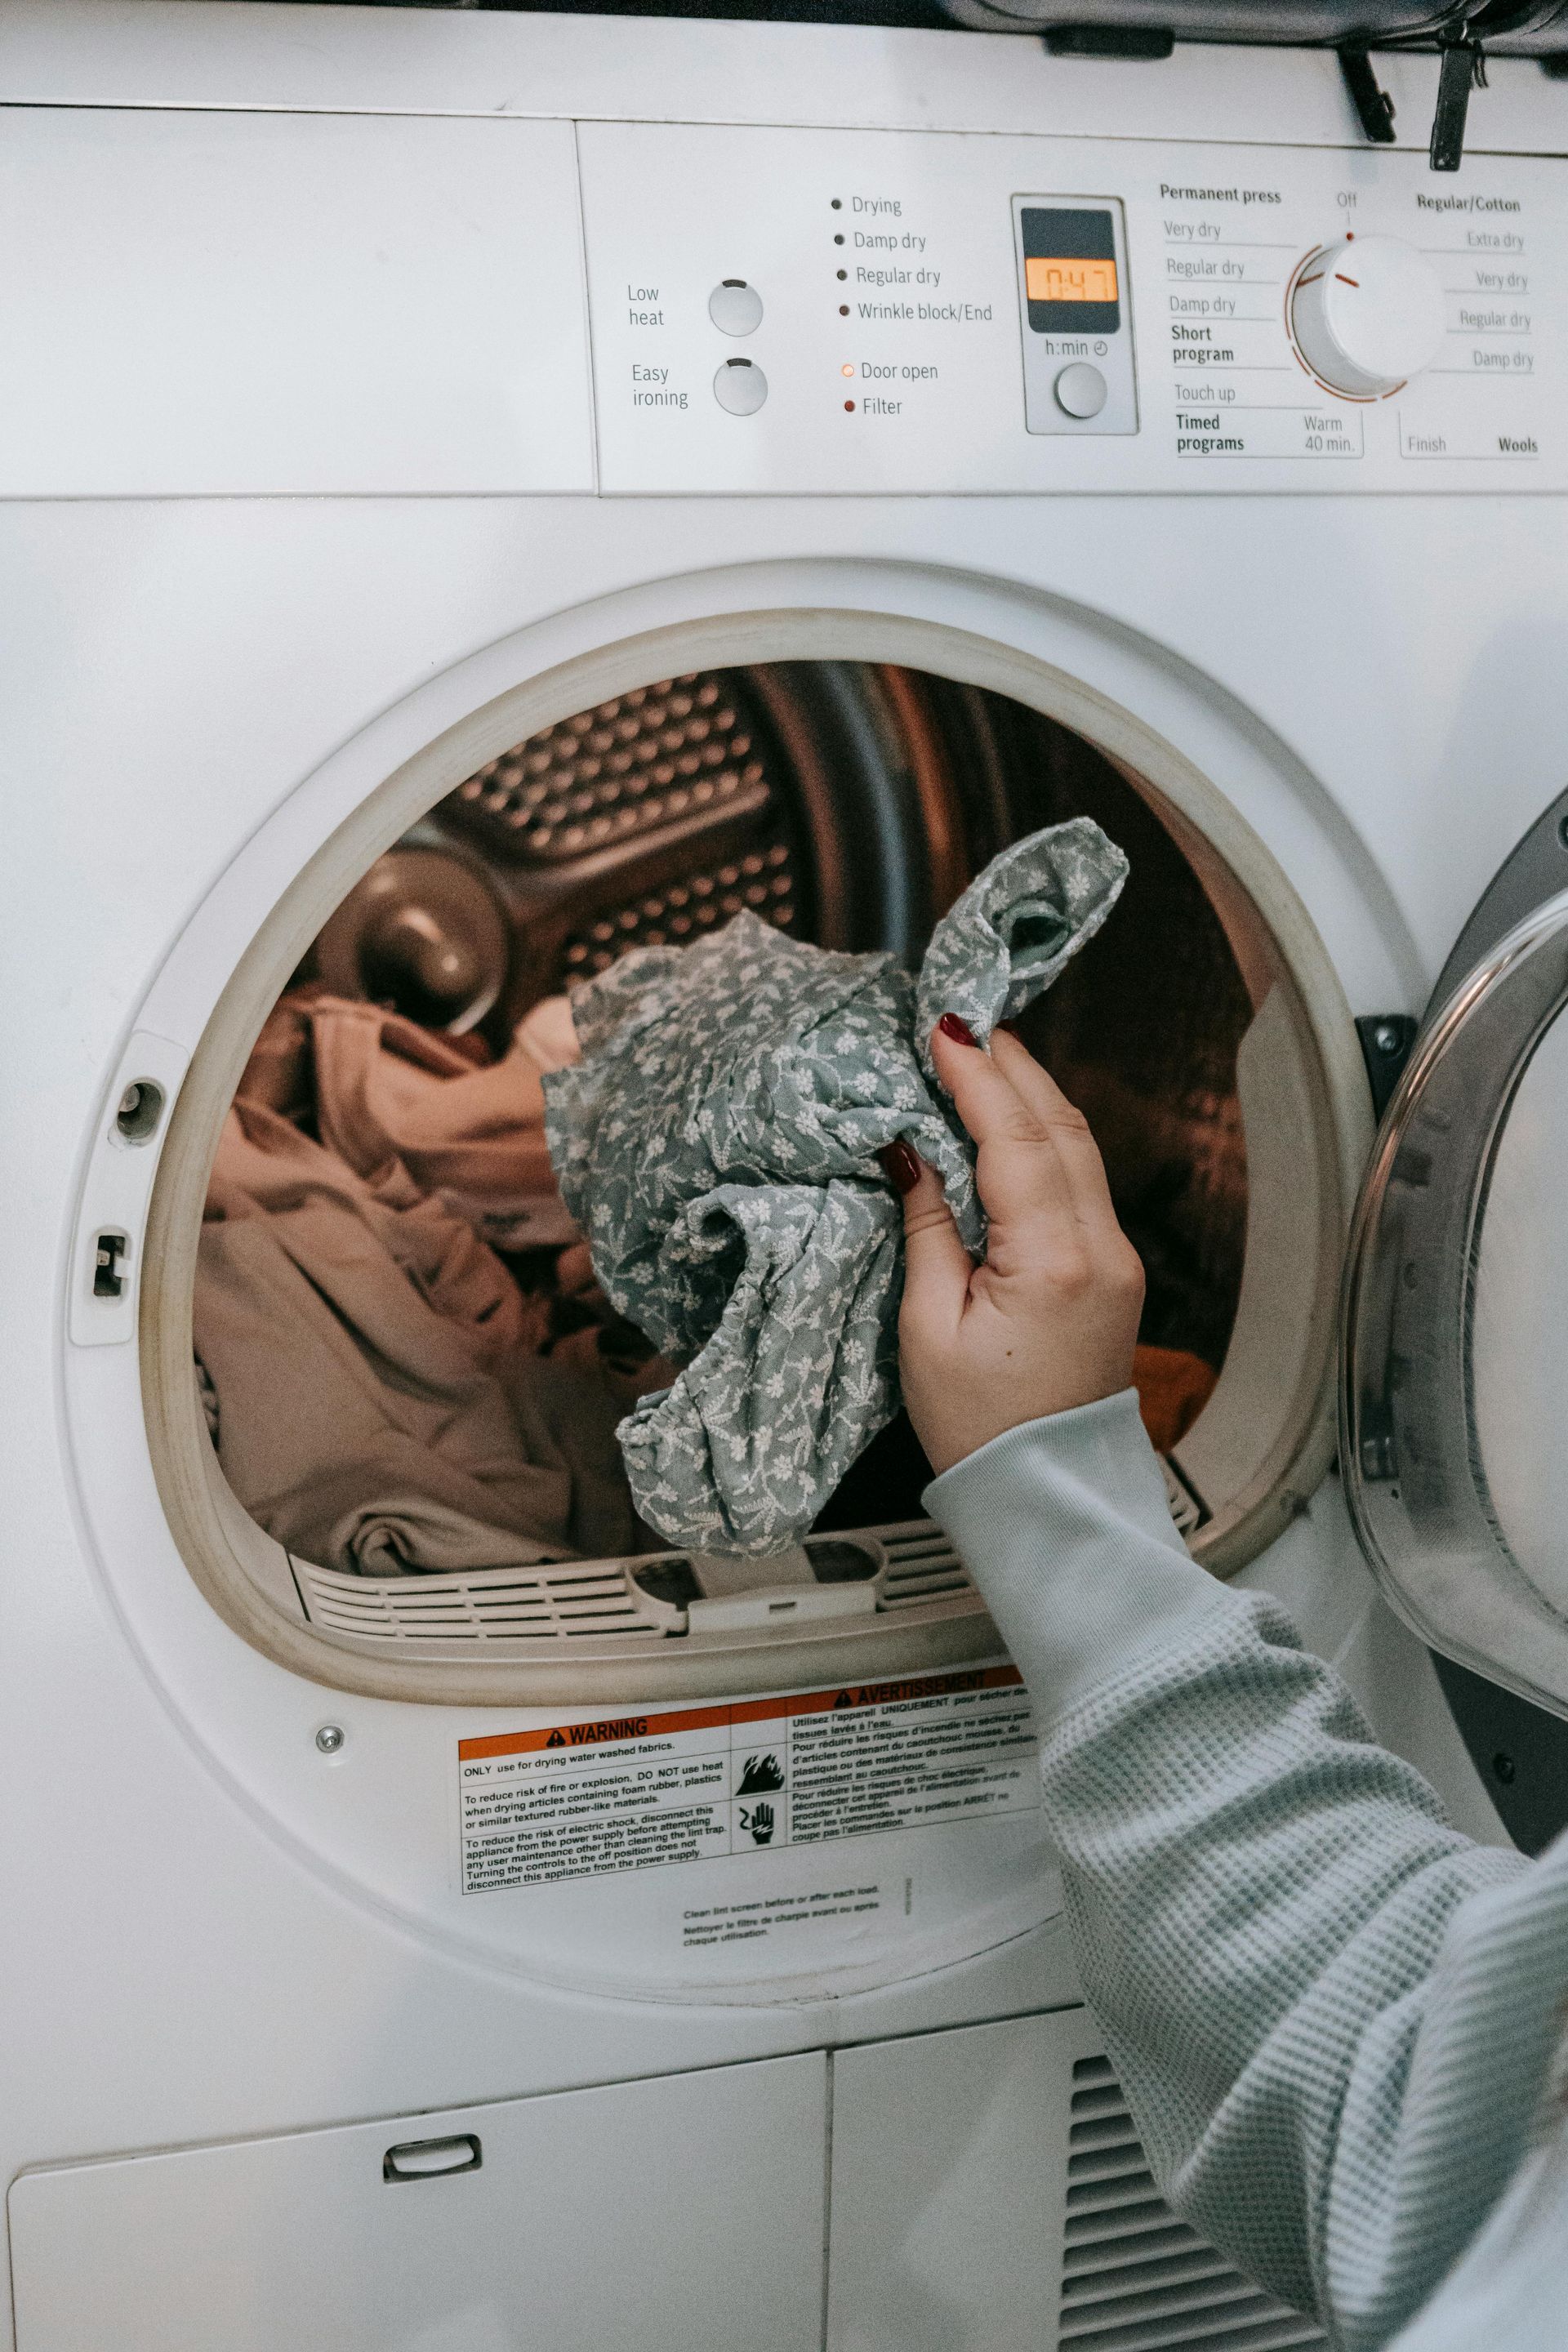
(1020, 1173)
(937, 1267)
(1070, 1130)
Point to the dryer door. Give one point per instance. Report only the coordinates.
(1454, 1389)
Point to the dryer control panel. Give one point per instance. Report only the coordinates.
(810, 311)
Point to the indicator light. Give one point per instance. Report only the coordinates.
(848, 368)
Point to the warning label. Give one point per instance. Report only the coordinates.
(631, 1792)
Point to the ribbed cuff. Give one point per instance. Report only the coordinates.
(1064, 1524)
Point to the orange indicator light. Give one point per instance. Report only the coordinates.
(848, 369)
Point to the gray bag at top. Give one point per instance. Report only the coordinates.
(716, 1144)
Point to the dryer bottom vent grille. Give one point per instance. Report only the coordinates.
(1134, 2277)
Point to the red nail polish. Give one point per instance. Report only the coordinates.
(953, 1025)
(901, 1164)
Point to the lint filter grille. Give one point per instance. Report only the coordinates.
(1136, 2278)
(639, 1599)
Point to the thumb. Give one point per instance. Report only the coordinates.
(937, 1267)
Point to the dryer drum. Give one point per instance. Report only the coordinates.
(848, 803)
(656, 818)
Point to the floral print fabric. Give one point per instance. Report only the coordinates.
(717, 1145)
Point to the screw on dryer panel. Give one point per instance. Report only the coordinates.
(330, 1737)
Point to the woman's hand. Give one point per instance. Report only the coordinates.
(1050, 1317)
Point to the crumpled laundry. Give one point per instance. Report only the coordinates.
(381, 1088)
(716, 1144)
(379, 1398)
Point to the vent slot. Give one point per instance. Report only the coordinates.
(921, 1566)
(1186, 1511)
(1136, 2278)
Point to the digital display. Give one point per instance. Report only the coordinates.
(1056, 277)
(1071, 283)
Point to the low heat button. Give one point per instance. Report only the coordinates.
(735, 308)
(1080, 390)
(740, 387)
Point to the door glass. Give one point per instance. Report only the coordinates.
(1454, 1438)
(1519, 1328)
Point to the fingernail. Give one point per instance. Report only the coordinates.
(953, 1025)
(1010, 1026)
(900, 1163)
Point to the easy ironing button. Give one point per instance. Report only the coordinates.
(1080, 390)
(740, 387)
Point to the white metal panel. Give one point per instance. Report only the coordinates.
(233, 303)
(893, 340)
(949, 2172)
(682, 2214)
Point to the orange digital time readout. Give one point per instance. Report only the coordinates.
(1054, 278)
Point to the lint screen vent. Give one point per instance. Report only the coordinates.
(921, 1565)
(568, 1599)
(1134, 2277)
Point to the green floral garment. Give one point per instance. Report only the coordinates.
(716, 1144)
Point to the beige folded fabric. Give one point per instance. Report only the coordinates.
(386, 1089)
(383, 1406)
(266, 1166)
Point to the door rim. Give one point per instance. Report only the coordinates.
(1229, 855)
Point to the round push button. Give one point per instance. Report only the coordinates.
(1080, 390)
(740, 387)
(735, 308)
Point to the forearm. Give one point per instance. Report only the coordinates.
(1258, 1893)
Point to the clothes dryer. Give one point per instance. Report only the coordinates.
(484, 490)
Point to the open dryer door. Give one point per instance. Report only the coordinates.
(1454, 1392)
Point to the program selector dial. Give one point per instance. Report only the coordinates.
(1367, 314)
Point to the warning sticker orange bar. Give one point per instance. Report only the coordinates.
(592, 1734)
(608, 1730)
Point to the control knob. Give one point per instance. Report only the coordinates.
(1367, 314)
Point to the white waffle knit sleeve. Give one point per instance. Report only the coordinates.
(1332, 2014)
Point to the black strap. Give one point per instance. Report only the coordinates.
(1463, 69)
(1373, 106)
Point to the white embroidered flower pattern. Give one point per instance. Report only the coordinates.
(716, 1144)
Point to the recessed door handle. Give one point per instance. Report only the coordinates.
(428, 2160)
